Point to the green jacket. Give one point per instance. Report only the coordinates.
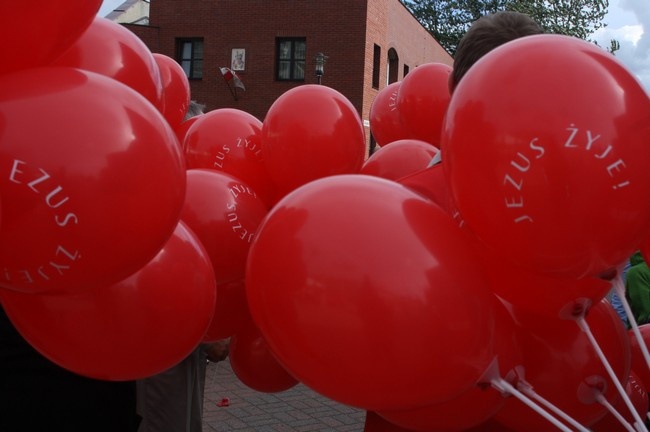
(637, 287)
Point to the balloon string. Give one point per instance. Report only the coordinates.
(505, 387)
(619, 288)
(527, 389)
(603, 401)
(584, 326)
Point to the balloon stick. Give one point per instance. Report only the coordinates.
(507, 388)
(527, 389)
(603, 401)
(619, 288)
(584, 326)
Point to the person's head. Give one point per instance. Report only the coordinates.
(487, 33)
(194, 109)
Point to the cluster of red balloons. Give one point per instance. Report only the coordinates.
(122, 220)
(238, 169)
(98, 270)
(413, 108)
(408, 290)
(415, 291)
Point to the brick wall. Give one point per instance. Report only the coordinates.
(345, 30)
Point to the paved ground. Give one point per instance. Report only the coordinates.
(297, 409)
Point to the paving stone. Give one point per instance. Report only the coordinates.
(298, 409)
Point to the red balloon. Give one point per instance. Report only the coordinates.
(645, 249)
(638, 395)
(176, 89)
(309, 132)
(537, 293)
(555, 183)
(110, 49)
(352, 279)
(229, 140)
(476, 405)
(639, 363)
(491, 426)
(376, 423)
(254, 364)
(562, 366)
(35, 33)
(385, 123)
(400, 159)
(431, 183)
(230, 312)
(128, 330)
(182, 129)
(224, 213)
(422, 101)
(94, 180)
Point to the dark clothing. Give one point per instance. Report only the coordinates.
(37, 395)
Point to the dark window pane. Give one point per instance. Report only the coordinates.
(290, 60)
(198, 69)
(376, 65)
(285, 50)
(186, 65)
(187, 51)
(284, 70)
(190, 57)
(301, 48)
(198, 50)
(299, 70)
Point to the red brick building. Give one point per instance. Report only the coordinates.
(368, 44)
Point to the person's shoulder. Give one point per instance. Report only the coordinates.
(638, 270)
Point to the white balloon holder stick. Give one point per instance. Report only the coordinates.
(505, 387)
(619, 288)
(584, 326)
(603, 401)
(527, 389)
(492, 376)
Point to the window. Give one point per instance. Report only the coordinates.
(393, 63)
(290, 59)
(376, 64)
(190, 57)
(406, 70)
